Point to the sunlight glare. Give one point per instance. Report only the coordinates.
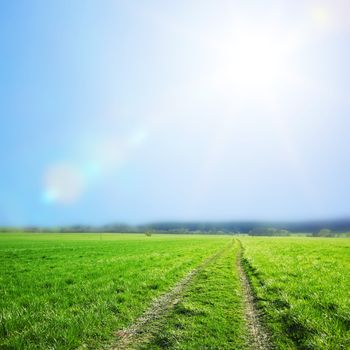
(256, 60)
(321, 16)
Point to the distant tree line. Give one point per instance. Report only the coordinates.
(268, 231)
(315, 229)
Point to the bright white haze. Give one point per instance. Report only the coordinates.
(185, 110)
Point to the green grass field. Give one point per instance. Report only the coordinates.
(212, 306)
(66, 291)
(303, 288)
(86, 291)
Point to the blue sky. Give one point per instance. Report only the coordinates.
(137, 111)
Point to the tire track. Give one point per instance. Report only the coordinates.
(146, 325)
(259, 337)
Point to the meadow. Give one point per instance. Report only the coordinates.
(302, 286)
(70, 291)
(210, 314)
(130, 291)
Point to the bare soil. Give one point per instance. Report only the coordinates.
(259, 337)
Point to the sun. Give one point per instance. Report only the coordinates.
(256, 60)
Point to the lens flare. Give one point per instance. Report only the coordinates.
(63, 183)
(137, 138)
